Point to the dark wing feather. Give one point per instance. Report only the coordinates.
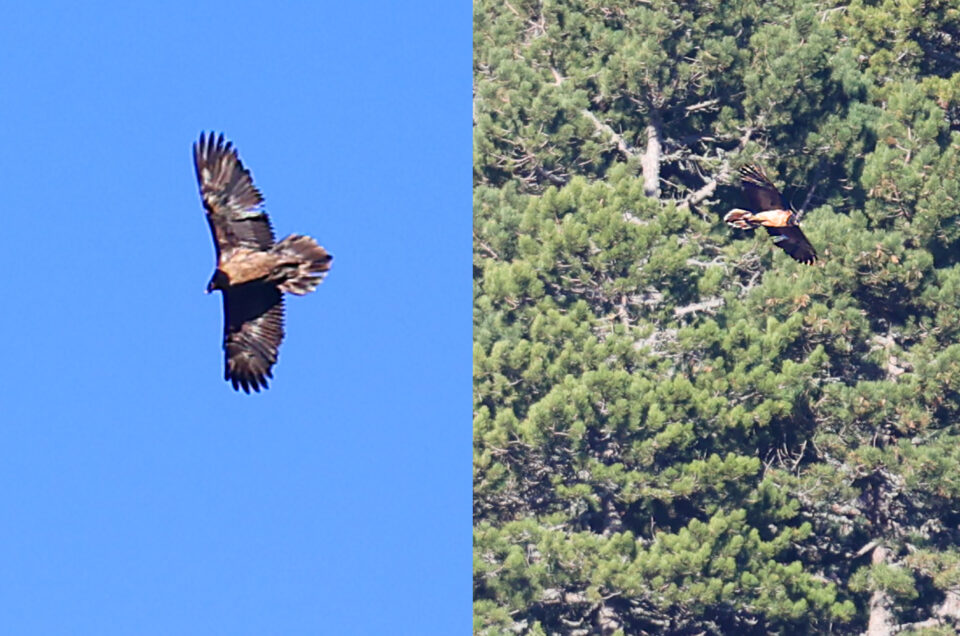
(233, 203)
(761, 194)
(792, 241)
(252, 333)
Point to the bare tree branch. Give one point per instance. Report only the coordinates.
(813, 188)
(701, 105)
(707, 305)
(485, 247)
(696, 197)
(622, 145)
(707, 190)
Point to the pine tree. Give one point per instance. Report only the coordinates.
(677, 429)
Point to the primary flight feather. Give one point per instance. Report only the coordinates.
(252, 269)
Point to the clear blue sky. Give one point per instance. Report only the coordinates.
(139, 494)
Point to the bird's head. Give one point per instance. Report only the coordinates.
(217, 281)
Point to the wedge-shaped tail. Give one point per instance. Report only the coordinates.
(303, 264)
(742, 219)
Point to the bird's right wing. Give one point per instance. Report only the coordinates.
(792, 240)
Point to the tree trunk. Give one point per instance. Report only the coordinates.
(650, 161)
(881, 620)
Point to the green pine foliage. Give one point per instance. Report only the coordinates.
(677, 428)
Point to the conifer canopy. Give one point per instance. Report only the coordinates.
(677, 429)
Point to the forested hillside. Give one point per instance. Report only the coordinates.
(677, 428)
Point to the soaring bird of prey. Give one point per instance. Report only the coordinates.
(252, 270)
(769, 210)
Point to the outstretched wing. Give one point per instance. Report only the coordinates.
(233, 203)
(252, 333)
(792, 241)
(760, 193)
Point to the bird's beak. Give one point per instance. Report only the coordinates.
(214, 281)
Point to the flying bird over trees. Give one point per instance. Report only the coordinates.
(252, 270)
(769, 210)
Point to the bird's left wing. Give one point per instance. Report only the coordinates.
(760, 193)
(233, 203)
